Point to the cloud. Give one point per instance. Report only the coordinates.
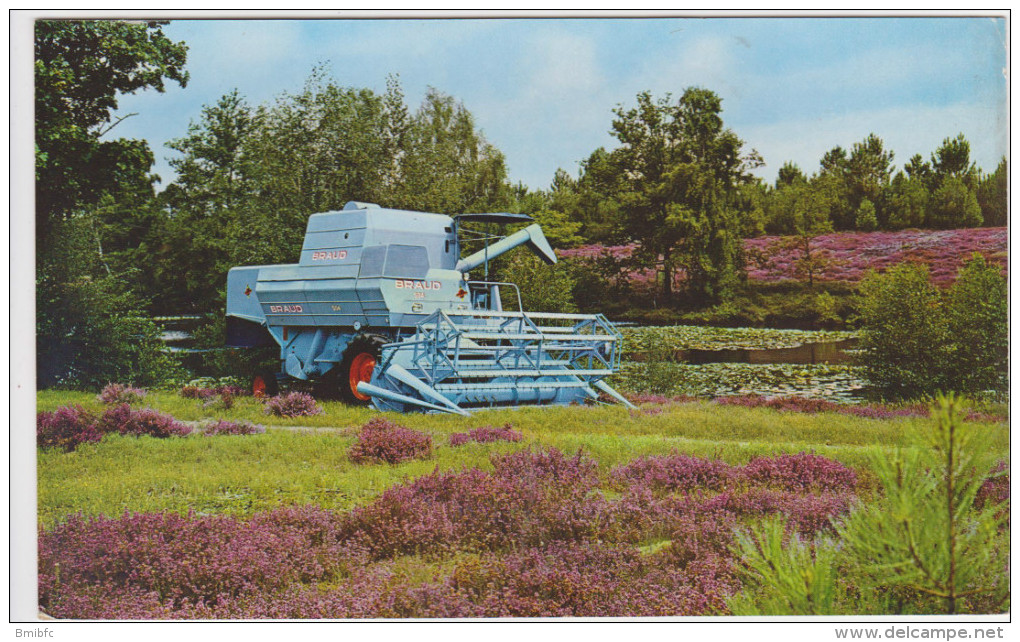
(703, 61)
(563, 66)
(543, 90)
(550, 106)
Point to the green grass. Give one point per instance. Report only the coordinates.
(243, 474)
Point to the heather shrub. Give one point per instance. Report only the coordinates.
(382, 441)
(549, 468)
(292, 404)
(560, 498)
(224, 401)
(800, 472)
(232, 390)
(172, 561)
(674, 472)
(700, 535)
(533, 537)
(586, 580)
(223, 427)
(66, 427)
(369, 593)
(805, 513)
(995, 489)
(639, 514)
(486, 434)
(804, 404)
(193, 392)
(437, 514)
(122, 419)
(639, 398)
(530, 497)
(119, 393)
(789, 403)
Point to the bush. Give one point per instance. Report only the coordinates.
(977, 306)
(91, 328)
(587, 580)
(865, 218)
(544, 288)
(119, 393)
(533, 536)
(181, 560)
(223, 427)
(66, 427)
(382, 441)
(916, 342)
(292, 404)
(530, 497)
(122, 419)
(486, 434)
(904, 335)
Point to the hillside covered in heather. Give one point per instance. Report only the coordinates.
(847, 256)
(777, 291)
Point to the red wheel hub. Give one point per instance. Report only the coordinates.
(361, 370)
(258, 386)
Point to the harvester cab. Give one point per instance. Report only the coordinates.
(380, 308)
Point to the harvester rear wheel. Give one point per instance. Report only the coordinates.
(357, 366)
(264, 385)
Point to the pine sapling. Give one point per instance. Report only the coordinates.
(927, 535)
(786, 575)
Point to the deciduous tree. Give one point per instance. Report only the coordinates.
(81, 67)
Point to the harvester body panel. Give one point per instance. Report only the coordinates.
(396, 277)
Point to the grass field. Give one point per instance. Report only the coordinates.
(303, 460)
(637, 516)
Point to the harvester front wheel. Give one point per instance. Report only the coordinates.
(265, 385)
(358, 364)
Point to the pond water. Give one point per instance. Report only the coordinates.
(831, 352)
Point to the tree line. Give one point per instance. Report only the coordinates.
(679, 184)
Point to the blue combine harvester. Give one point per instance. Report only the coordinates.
(380, 308)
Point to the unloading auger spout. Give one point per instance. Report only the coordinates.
(532, 235)
(380, 309)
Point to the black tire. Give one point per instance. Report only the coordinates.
(354, 368)
(264, 384)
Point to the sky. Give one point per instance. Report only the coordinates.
(543, 90)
